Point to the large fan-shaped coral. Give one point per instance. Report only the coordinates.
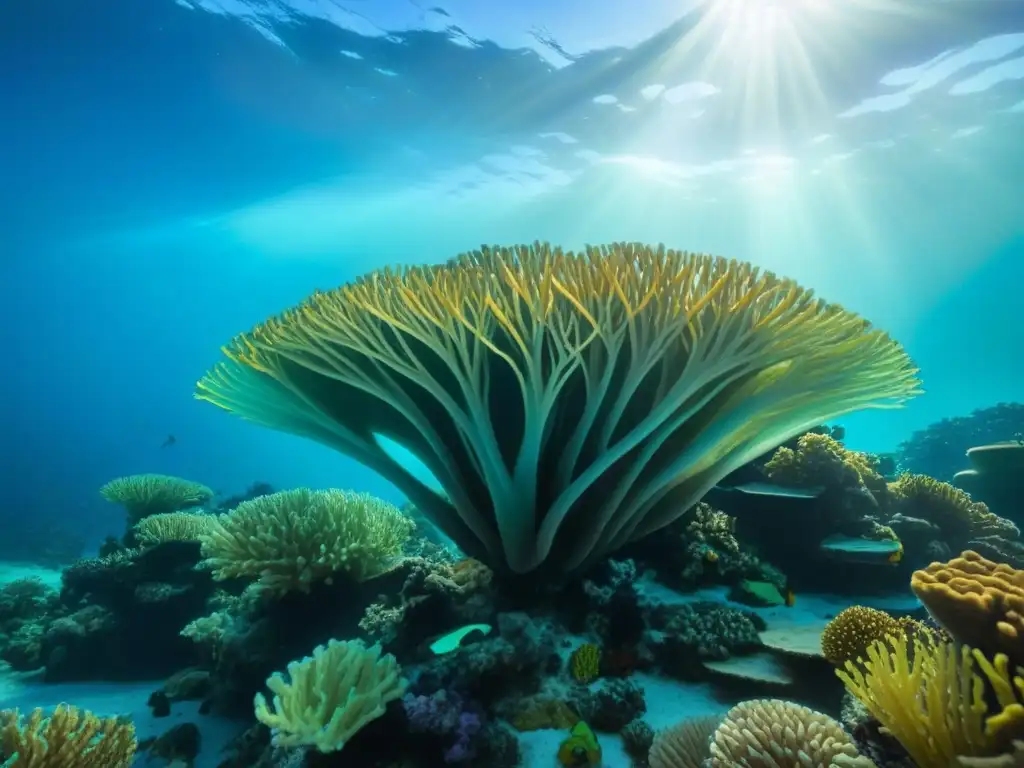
(567, 403)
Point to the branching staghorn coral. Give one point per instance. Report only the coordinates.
(68, 738)
(567, 403)
(930, 697)
(144, 495)
(292, 539)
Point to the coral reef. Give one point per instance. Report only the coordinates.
(68, 737)
(702, 548)
(821, 460)
(938, 450)
(996, 477)
(122, 614)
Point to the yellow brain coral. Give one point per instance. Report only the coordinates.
(567, 402)
(980, 603)
(770, 733)
(848, 636)
(931, 699)
(68, 738)
(292, 539)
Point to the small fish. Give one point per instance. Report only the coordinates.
(769, 489)
(169, 441)
(453, 640)
(855, 549)
(897, 557)
(581, 749)
(789, 597)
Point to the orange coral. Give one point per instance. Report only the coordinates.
(980, 602)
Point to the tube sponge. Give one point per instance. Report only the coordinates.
(68, 737)
(330, 696)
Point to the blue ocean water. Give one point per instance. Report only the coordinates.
(173, 172)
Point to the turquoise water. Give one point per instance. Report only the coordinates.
(176, 172)
(173, 172)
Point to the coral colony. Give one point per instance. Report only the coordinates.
(569, 405)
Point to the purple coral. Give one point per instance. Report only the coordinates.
(462, 749)
(442, 713)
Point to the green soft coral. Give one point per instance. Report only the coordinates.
(328, 697)
(145, 495)
(293, 539)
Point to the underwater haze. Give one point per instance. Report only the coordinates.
(175, 172)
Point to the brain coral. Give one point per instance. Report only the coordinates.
(566, 402)
(980, 603)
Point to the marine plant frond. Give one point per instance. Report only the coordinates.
(567, 402)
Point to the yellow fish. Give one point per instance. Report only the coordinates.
(581, 749)
(896, 556)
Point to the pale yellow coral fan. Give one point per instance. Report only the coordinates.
(68, 738)
(770, 733)
(328, 697)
